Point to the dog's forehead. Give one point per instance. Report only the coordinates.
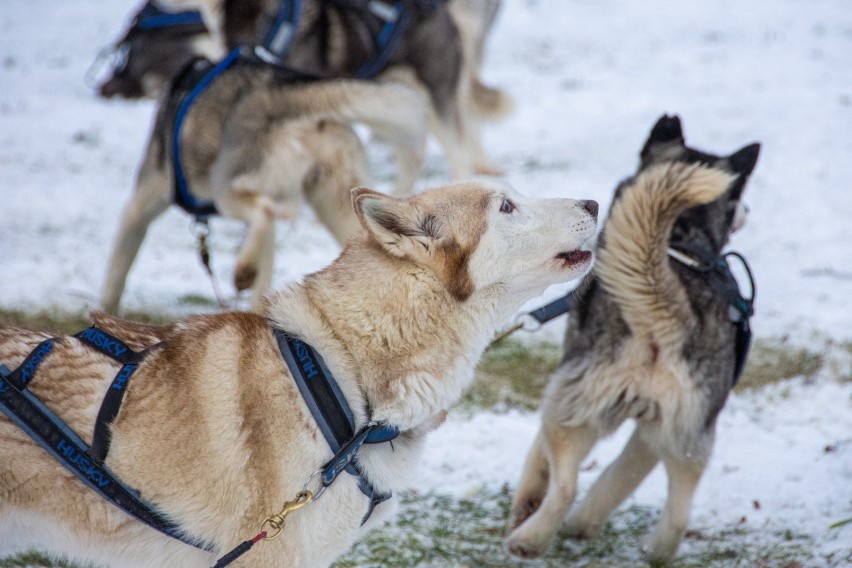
(462, 198)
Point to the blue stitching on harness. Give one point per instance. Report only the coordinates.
(73, 453)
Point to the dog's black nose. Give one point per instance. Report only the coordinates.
(590, 206)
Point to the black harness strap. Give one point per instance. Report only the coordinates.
(333, 416)
(20, 378)
(724, 283)
(26, 410)
(118, 350)
(554, 309)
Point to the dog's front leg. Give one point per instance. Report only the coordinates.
(148, 201)
(565, 448)
(259, 213)
(448, 129)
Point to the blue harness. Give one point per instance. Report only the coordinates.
(272, 51)
(316, 384)
(152, 17)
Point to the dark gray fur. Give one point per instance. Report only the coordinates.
(597, 329)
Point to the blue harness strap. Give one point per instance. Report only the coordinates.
(333, 415)
(65, 446)
(280, 36)
(394, 28)
(152, 17)
(182, 195)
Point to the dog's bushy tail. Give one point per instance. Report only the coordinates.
(396, 110)
(489, 103)
(633, 265)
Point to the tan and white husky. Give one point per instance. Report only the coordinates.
(213, 430)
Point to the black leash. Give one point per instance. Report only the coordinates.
(532, 321)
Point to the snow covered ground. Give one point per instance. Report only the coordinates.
(589, 79)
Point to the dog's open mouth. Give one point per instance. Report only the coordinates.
(574, 258)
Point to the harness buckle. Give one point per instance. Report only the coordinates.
(278, 521)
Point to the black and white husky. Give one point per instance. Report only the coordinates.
(651, 339)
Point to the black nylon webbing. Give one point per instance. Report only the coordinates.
(52, 434)
(118, 350)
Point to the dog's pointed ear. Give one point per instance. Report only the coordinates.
(666, 131)
(743, 160)
(395, 224)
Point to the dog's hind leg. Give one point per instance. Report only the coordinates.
(663, 542)
(613, 486)
(565, 448)
(533, 484)
(448, 129)
(149, 200)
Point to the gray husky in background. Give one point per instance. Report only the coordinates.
(441, 52)
(257, 145)
(649, 339)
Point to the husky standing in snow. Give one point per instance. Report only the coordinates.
(652, 339)
(440, 50)
(257, 143)
(215, 433)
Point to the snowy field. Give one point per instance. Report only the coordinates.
(589, 79)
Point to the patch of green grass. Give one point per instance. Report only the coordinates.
(34, 559)
(773, 361)
(513, 374)
(198, 300)
(58, 322)
(439, 530)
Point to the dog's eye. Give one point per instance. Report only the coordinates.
(507, 206)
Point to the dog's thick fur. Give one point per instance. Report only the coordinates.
(442, 53)
(649, 339)
(213, 429)
(257, 145)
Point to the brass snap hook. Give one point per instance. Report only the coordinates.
(277, 522)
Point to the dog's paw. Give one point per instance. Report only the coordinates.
(523, 510)
(244, 277)
(658, 550)
(520, 547)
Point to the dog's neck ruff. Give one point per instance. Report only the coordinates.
(334, 417)
(718, 274)
(86, 462)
